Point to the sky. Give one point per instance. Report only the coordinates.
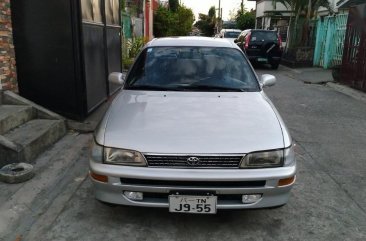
(202, 6)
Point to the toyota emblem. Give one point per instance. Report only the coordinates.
(193, 161)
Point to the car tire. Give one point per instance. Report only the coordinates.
(16, 173)
(274, 66)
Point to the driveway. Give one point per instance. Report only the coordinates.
(328, 201)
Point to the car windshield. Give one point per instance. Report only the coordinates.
(231, 34)
(192, 69)
(264, 36)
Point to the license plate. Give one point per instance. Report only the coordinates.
(262, 59)
(192, 204)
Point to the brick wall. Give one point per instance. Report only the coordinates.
(7, 56)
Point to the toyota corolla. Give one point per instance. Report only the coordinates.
(192, 131)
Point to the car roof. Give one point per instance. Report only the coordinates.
(262, 30)
(230, 30)
(190, 41)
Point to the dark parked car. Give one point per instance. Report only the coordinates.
(261, 46)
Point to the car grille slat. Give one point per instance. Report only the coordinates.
(203, 161)
(184, 184)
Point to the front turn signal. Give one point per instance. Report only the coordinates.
(97, 177)
(286, 181)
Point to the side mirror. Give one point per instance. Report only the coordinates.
(268, 80)
(235, 41)
(117, 78)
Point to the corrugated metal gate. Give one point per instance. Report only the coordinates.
(330, 40)
(353, 69)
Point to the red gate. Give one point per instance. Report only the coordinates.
(353, 69)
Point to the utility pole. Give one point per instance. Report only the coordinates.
(218, 19)
(219, 9)
(242, 6)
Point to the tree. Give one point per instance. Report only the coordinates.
(173, 5)
(302, 8)
(232, 14)
(245, 20)
(183, 21)
(206, 23)
(173, 23)
(162, 22)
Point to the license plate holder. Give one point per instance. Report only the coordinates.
(262, 60)
(192, 204)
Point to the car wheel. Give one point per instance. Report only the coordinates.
(274, 66)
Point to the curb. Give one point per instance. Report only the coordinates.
(356, 94)
(291, 70)
(344, 89)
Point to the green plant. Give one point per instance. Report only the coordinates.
(134, 46)
(130, 50)
(127, 62)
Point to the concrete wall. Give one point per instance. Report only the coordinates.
(7, 56)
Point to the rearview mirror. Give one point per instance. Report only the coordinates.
(268, 80)
(117, 78)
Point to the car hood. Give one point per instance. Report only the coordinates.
(192, 122)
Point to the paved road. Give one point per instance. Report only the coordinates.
(328, 201)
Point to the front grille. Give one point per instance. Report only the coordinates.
(202, 162)
(171, 183)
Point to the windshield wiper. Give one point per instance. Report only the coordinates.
(152, 87)
(215, 88)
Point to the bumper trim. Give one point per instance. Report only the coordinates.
(171, 174)
(271, 196)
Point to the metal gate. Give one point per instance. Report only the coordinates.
(353, 69)
(330, 40)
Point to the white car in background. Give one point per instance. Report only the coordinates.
(230, 34)
(192, 131)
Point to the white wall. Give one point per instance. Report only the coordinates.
(333, 5)
(268, 6)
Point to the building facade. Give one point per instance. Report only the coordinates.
(271, 15)
(7, 56)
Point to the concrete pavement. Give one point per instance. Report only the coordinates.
(328, 201)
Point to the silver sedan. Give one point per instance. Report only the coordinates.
(192, 131)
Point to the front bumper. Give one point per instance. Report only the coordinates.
(158, 183)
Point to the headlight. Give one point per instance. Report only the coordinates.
(263, 159)
(277, 158)
(123, 157)
(289, 156)
(96, 152)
